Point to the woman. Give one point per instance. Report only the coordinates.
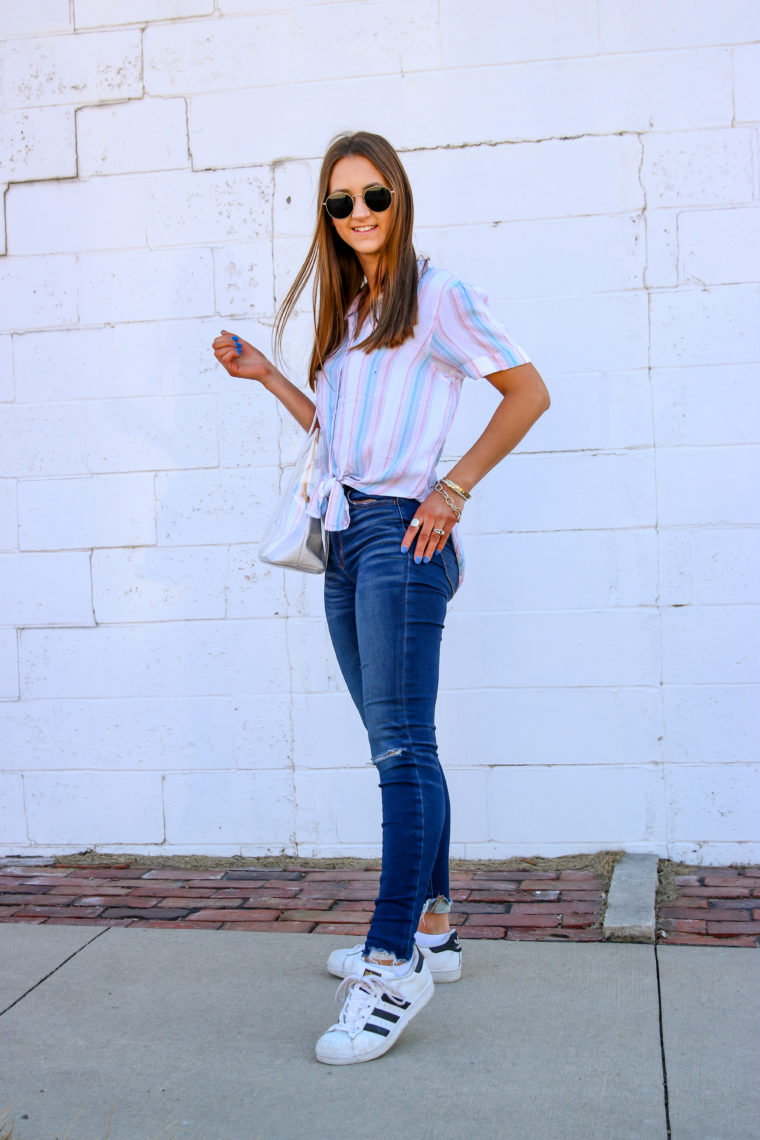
(394, 339)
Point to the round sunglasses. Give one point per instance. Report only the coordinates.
(341, 204)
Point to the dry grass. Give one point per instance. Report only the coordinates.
(600, 862)
(668, 872)
(667, 887)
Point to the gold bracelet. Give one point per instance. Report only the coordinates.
(442, 491)
(455, 487)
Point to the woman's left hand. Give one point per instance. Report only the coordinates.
(434, 512)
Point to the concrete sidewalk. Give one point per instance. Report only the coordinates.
(209, 1035)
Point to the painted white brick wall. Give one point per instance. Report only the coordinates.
(593, 167)
(38, 143)
(71, 70)
(142, 135)
(38, 17)
(6, 369)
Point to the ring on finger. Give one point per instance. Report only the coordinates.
(438, 530)
(416, 522)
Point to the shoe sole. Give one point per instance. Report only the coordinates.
(439, 976)
(445, 975)
(389, 1041)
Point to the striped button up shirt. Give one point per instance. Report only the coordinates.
(385, 414)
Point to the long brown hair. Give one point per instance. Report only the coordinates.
(337, 273)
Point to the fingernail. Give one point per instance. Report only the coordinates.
(437, 552)
(417, 558)
(404, 549)
(426, 558)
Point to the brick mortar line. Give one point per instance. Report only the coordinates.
(497, 925)
(491, 922)
(740, 908)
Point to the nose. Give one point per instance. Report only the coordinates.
(360, 208)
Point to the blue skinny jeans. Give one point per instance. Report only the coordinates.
(385, 614)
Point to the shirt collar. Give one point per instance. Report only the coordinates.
(421, 261)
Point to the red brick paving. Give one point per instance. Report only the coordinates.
(718, 906)
(518, 904)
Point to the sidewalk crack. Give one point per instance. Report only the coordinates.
(54, 970)
(662, 1046)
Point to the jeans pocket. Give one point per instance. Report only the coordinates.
(450, 564)
(360, 498)
(407, 508)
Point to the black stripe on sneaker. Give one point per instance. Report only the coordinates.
(370, 1028)
(451, 944)
(396, 1004)
(385, 1013)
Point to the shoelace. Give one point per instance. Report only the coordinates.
(360, 996)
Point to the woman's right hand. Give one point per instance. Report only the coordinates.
(249, 364)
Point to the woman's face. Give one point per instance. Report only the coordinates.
(364, 231)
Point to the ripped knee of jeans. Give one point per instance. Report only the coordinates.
(389, 755)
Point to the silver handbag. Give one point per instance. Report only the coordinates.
(293, 538)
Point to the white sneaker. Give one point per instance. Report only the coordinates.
(444, 962)
(377, 1007)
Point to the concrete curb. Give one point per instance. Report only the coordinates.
(630, 914)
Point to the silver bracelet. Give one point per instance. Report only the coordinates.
(455, 487)
(439, 487)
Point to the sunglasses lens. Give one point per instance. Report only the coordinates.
(378, 198)
(339, 205)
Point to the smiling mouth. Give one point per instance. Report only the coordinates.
(363, 229)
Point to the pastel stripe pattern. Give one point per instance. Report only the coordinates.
(385, 415)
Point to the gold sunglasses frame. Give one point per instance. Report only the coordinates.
(353, 197)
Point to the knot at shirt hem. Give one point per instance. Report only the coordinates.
(328, 502)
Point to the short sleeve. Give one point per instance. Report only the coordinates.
(467, 337)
